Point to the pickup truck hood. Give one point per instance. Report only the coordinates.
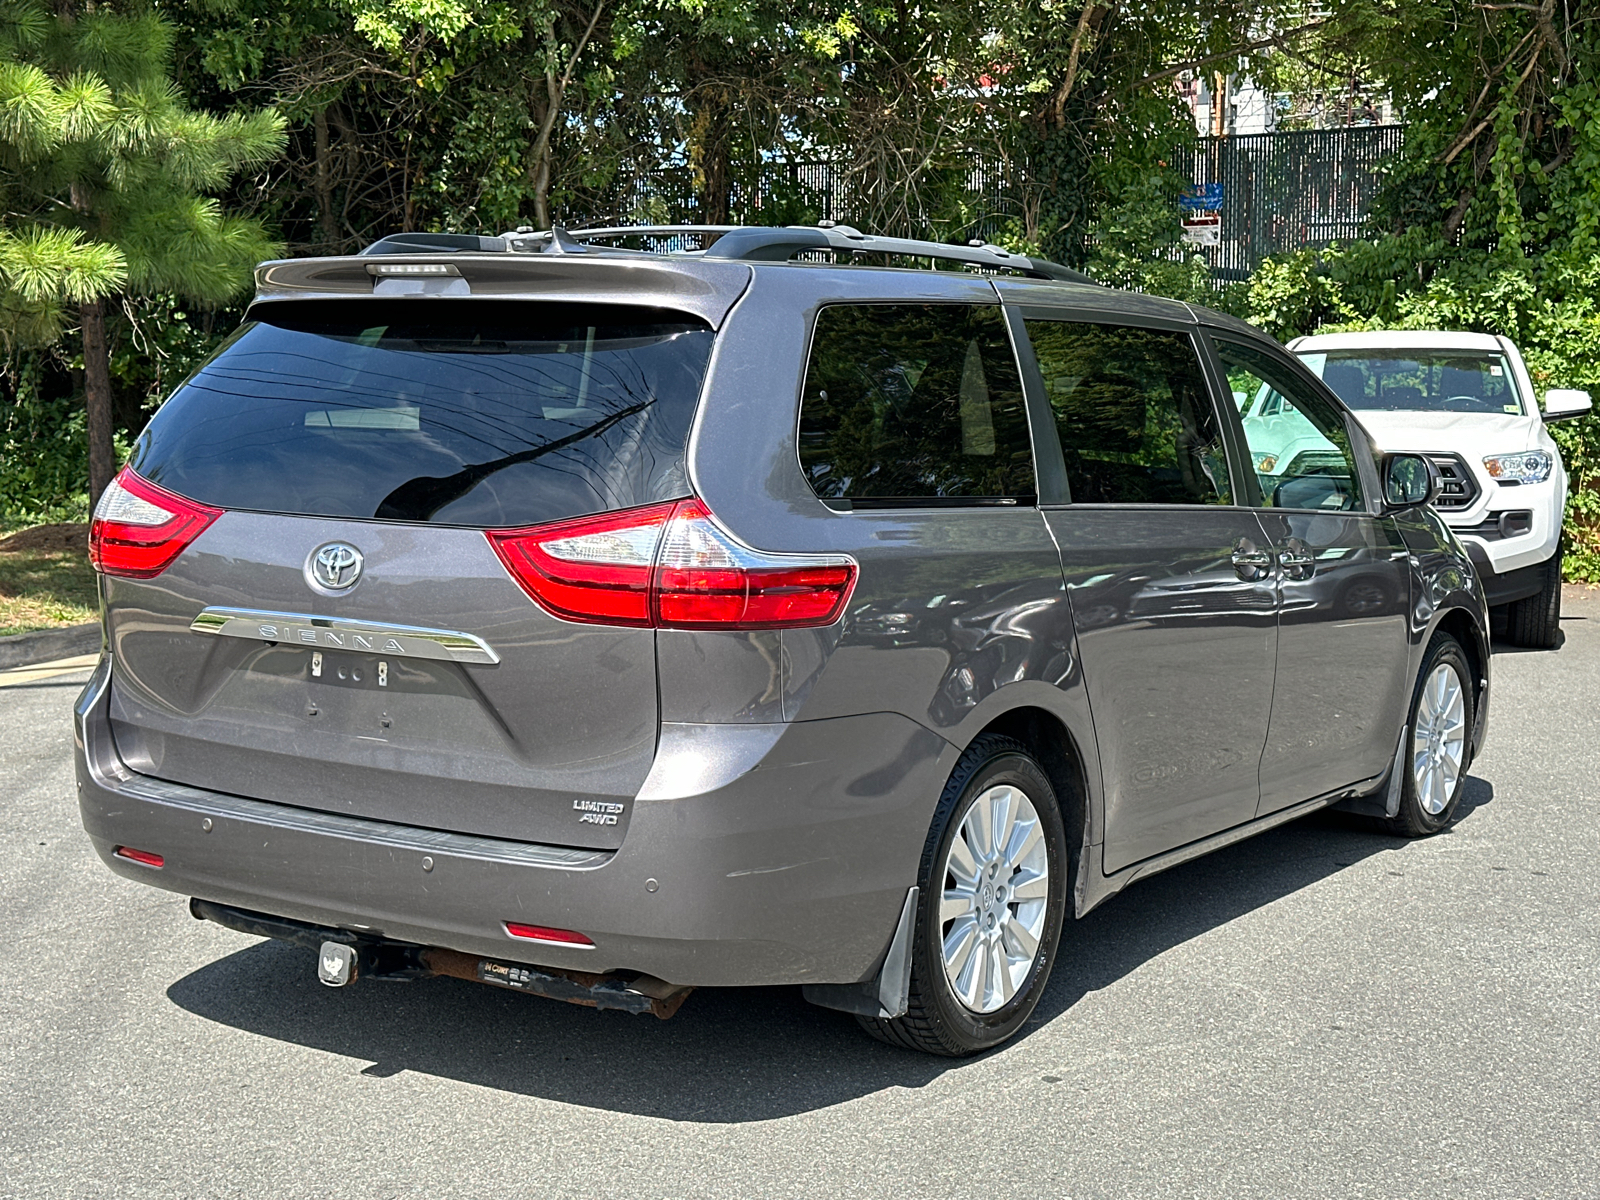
(1471, 435)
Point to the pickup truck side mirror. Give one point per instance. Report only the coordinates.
(1565, 404)
(1409, 481)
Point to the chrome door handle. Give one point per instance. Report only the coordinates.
(1250, 561)
(1297, 558)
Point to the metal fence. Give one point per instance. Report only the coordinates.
(1283, 191)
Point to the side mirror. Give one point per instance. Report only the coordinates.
(1409, 481)
(1564, 404)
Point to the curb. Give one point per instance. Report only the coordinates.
(47, 645)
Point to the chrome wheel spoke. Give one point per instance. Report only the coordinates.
(1003, 816)
(1025, 836)
(1030, 885)
(960, 864)
(959, 944)
(978, 829)
(956, 904)
(973, 980)
(995, 976)
(1020, 941)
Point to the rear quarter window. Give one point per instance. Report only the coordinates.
(475, 413)
(914, 403)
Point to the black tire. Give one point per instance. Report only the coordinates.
(1536, 621)
(1413, 819)
(936, 1021)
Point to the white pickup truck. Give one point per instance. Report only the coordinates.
(1467, 402)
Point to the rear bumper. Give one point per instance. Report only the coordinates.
(792, 870)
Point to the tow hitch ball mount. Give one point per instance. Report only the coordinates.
(344, 956)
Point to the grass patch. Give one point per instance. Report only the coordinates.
(46, 581)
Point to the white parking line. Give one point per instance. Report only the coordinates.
(45, 670)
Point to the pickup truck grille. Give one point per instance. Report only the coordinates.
(1460, 488)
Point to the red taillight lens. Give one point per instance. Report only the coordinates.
(541, 933)
(142, 857)
(706, 580)
(593, 569)
(139, 529)
(670, 566)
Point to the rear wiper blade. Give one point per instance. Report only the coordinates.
(420, 498)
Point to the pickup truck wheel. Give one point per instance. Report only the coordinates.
(1536, 621)
(994, 882)
(1438, 746)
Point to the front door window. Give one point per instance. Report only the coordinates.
(1299, 446)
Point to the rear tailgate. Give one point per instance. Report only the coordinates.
(422, 685)
(549, 744)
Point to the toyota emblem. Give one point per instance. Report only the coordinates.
(336, 566)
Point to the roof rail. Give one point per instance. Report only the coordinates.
(739, 243)
(760, 243)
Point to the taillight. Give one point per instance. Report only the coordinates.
(706, 580)
(670, 566)
(139, 528)
(593, 569)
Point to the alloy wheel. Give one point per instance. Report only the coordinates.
(996, 889)
(1439, 741)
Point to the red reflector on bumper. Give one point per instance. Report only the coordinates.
(540, 933)
(142, 857)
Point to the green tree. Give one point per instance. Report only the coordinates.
(107, 180)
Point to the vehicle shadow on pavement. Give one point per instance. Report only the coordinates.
(1155, 915)
(737, 1054)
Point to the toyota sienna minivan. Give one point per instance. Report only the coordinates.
(614, 613)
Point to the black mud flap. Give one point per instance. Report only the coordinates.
(885, 995)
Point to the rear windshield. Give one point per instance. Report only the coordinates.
(1469, 381)
(478, 413)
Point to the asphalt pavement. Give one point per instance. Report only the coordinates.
(1321, 1011)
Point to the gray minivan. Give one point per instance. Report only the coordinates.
(600, 617)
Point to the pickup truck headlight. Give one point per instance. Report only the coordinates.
(1531, 466)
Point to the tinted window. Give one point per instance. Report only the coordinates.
(1134, 414)
(915, 402)
(457, 412)
(1419, 381)
(1298, 442)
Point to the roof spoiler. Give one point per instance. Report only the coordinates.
(434, 243)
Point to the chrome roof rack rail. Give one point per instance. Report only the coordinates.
(737, 243)
(761, 243)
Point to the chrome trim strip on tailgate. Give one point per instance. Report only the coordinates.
(337, 633)
(379, 833)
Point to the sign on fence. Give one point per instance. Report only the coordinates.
(1201, 205)
(1201, 197)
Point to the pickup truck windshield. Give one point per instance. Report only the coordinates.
(1466, 381)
